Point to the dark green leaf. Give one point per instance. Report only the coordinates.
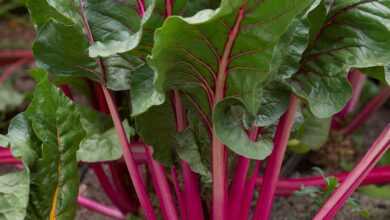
(381, 73)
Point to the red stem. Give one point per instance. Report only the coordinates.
(355, 177)
(367, 111)
(179, 195)
(139, 185)
(248, 194)
(239, 179)
(100, 208)
(285, 187)
(162, 187)
(271, 175)
(218, 148)
(135, 176)
(141, 7)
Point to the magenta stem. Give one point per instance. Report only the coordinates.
(162, 187)
(179, 194)
(271, 175)
(100, 208)
(285, 187)
(355, 177)
(141, 7)
(238, 184)
(367, 111)
(139, 185)
(248, 193)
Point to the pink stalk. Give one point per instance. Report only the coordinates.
(191, 187)
(139, 185)
(9, 161)
(355, 177)
(135, 176)
(367, 111)
(248, 194)
(109, 190)
(162, 188)
(141, 7)
(271, 175)
(239, 179)
(11, 69)
(218, 148)
(285, 187)
(100, 208)
(179, 195)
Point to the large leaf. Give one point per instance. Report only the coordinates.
(55, 121)
(355, 34)
(14, 188)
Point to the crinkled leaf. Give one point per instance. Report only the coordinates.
(42, 11)
(157, 128)
(9, 97)
(14, 188)
(355, 34)
(188, 150)
(228, 121)
(117, 28)
(56, 123)
(187, 51)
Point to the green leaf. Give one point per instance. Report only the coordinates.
(24, 144)
(42, 11)
(381, 73)
(157, 128)
(14, 188)
(312, 133)
(274, 102)
(355, 34)
(62, 50)
(56, 123)
(187, 51)
(227, 121)
(117, 28)
(143, 93)
(188, 150)
(9, 97)
(105, 146)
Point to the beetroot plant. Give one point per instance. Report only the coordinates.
(175, 104)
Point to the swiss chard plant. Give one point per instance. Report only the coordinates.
(190, 97)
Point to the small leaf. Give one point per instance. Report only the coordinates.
(99, 147)
(9, 97)
(188, 150)
(14, 188)
(227, 121)
(4, 141)
(143, 93)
